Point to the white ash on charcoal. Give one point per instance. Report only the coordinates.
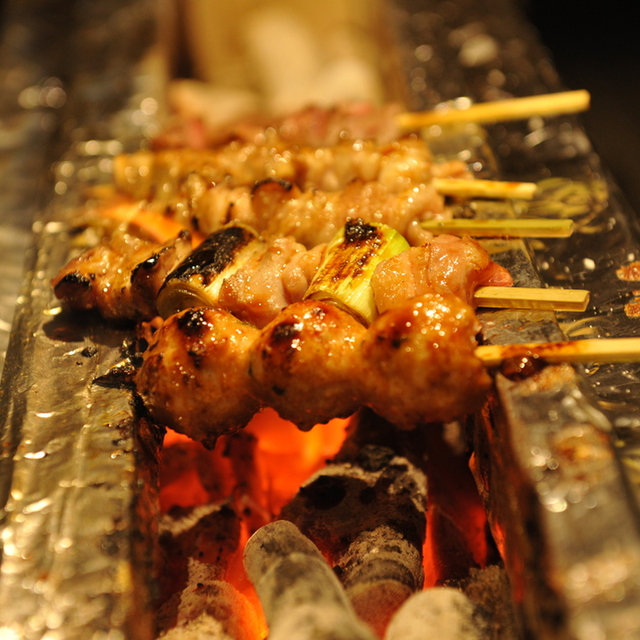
(366, 511)
(209, 534)
(335, 504)
(301, 597)
(380, 571)
(442, 612)
(207, 608)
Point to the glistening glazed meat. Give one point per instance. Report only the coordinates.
(314, 217)
(127, 279)
(206, 372)
(195, 374)
(279, 208)
(444, 264)
(305, 366)
(120, 278)
(417, 362)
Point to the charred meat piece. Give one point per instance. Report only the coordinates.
(236, 270)
(304, 365)
(145, 175)
(277, 207)
(417, 362)
(194, 376)
(316, 361)
(120, 279)
(233, 269)
(197, 280)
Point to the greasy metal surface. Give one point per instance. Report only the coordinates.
(71, 488)
(77, 504)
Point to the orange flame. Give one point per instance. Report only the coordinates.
(258, 471)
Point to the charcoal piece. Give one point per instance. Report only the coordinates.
(209, 534)
(334, 506)
(490, 589)
(442, 612)
(207, 608)
(380, 570)
(301, 597)
(366, 511)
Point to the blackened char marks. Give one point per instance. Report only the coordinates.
(284, 339)
(193, 323)
(271, 185)
(77, 279)
(358, 231)
(357, 234)
(285, 332)
(214, 255)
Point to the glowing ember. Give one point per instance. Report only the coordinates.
(255, 472)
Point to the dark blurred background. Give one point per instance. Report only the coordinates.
(595, 47)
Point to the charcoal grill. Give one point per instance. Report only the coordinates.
(555, 453)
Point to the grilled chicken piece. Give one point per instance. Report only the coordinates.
(160, 176)
(278, 208)
(121, 278)
(445, 264)
(271, 280)
(417, 362)
(314, 217)
(304, 363)
(194, 376)
(312, 126)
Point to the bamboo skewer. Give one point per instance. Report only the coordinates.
(594, 350)
(472, 188)
(532, 298)
(551, 104)
(512, 228)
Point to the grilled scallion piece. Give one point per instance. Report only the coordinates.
(344, 277)
(196, 282)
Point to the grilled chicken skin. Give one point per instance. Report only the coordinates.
(121, 278)
(417, 362)
(313, 361)
(444, 264)
(206, 373)
(304, 363)
(195, 374)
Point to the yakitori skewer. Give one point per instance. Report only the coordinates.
(508, 227)
(551, 104)
(606, 350)
(477, 188)
(532, 298)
